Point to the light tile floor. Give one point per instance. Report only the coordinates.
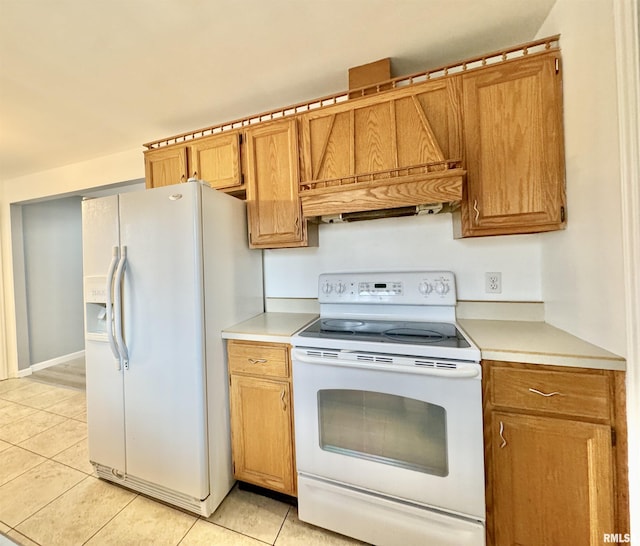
(50, 495)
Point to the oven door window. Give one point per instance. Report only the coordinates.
(384, 428)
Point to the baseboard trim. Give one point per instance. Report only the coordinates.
(52, 362)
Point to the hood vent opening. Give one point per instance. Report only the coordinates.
(418, 210)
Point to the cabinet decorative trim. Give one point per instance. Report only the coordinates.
(428, 183)
(542, 45)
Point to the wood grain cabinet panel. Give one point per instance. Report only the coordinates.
(552, 481)
(165, 166)
(214, 159)
(371, 153)
(569, 394)
(514, 148)
(273, 178)
(262, 415)
(259, 359)
(556, 470)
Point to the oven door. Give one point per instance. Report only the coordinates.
(409, 433)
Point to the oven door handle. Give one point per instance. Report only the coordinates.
(461, 371)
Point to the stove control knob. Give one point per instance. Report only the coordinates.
(442, 288)
(326, 288)
(425, 288)
(340, 288)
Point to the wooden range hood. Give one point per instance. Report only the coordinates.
(377, 154)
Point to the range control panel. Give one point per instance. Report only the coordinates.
(392, 287)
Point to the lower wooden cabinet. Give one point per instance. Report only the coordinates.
(555, 454)
(261, 415)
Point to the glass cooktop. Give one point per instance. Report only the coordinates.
(440, 334)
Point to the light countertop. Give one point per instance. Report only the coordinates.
(269, 327)
(529, 342)
(533, 342)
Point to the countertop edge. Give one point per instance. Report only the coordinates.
(545, 359)
(265, 338)
(278, 327)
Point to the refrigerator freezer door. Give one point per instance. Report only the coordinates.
(105, 400)
(163, 331)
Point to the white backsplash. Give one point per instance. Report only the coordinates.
(412, 243)
(487, 310)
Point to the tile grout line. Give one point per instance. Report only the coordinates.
(282, 525)
(188, 531)
(45, 459)
(48, 503)
(135, 496)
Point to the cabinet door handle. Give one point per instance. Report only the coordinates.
(536, 391)
(475, 207)
(504, 442)
(284, 403)
(257, 360)
(195, 175)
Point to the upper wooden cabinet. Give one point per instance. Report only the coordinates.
(383, 151)
(165, 166)
(514, 148)
(214, 159)
(485, 134)
(273, 207)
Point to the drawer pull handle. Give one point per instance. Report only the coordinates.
(504, 442)
(536, 391)
(257, 360)
(284, 404)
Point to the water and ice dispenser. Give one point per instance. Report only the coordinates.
(95, 297)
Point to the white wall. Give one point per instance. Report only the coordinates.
(419, 242)
(62, 181)
(582, 267)
(52, 238)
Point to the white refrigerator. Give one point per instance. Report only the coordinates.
(165, 270)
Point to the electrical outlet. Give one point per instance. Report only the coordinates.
(493, 283)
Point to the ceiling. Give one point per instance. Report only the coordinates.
(81, 79)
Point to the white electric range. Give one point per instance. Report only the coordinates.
(388, 406)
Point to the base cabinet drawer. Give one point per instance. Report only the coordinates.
(568, 393)
(262, 359)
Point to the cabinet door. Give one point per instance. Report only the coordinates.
(261, 432)
(216, 159)
(551, 481)
(273, 207)
(514, 148)
(165, 166)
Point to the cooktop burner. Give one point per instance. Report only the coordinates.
(384, 331)
(403, 313)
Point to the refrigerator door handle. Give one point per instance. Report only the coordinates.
(117, 289)
(109, 305)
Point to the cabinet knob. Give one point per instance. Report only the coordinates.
(284, 403)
